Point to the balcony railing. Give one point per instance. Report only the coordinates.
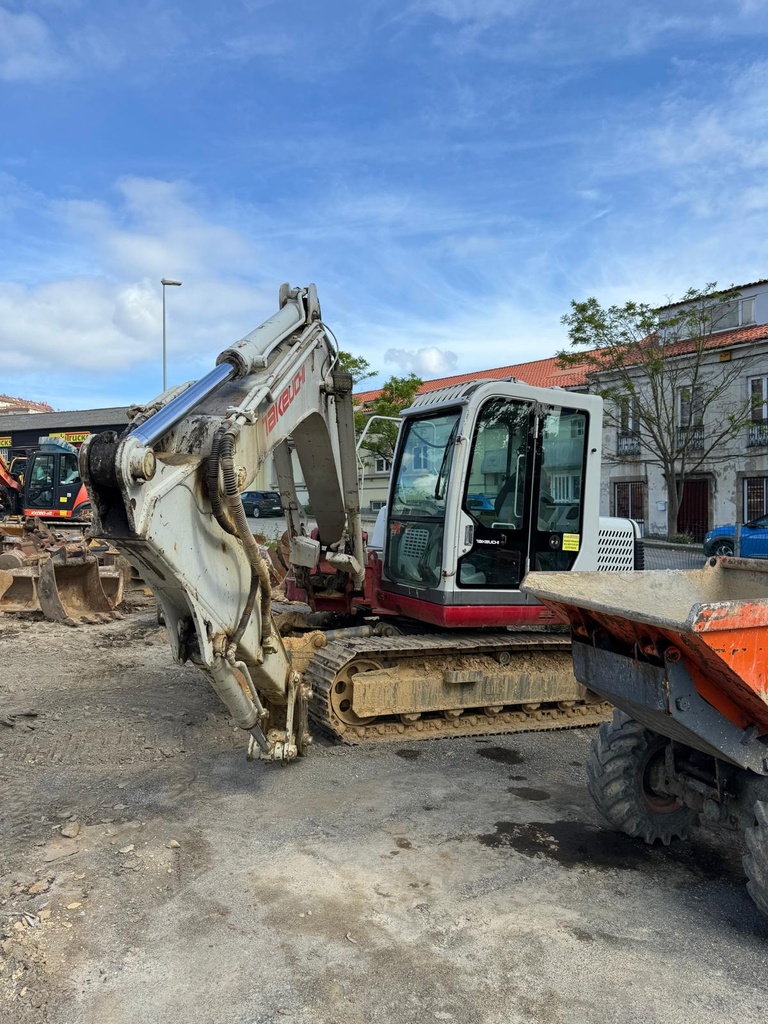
(628, 444)
(693, 437)
(758, 433)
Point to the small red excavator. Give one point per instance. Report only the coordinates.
(47, 486)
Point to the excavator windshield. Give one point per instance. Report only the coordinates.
(417, 512)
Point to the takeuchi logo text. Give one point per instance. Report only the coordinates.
(284, 400)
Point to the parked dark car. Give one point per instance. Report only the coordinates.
(754, 539)
(262, 503)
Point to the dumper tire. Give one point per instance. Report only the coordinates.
(617, 779)
(756, 858)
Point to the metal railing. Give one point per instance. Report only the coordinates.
(628, 444)
(758, 433)
(693, 437)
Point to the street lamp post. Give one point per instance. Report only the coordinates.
(165, 281)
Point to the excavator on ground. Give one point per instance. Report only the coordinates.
(424, 633)
(42, 569)
(45, 485)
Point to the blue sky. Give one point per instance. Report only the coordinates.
(451, 173)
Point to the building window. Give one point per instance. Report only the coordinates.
(690, 418)
(735, 313)
(629, 501)
(755, 497)
(421, 457)
(629, 426)
(758, 428)
(565, 488)
(377, 506)
(381, 465)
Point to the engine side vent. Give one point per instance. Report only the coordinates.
(617, 542)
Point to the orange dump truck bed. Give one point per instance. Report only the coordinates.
(692, 648)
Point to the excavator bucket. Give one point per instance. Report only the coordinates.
(18, 590)
(60, 577)
(72, 592)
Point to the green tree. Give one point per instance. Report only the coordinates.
(669, 396)
(396, 394)
(358, 366)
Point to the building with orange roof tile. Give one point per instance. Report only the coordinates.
(541, 373)
(9, 404)
(731, 484)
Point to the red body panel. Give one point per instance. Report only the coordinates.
(383, 602)
(6, 478)
(475, 616)
(59, 513)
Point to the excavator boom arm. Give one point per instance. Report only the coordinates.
(167, 494)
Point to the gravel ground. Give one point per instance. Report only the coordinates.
(165, 879)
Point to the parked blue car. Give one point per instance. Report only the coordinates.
(754, 539)
(479, 503)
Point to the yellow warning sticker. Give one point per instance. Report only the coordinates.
(62, 499)
(571, 541)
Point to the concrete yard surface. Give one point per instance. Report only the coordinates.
(148, 873)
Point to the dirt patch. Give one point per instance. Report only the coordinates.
(575, 844)
(528, 793)
(570, 843)
(408, 754)
(143, 862)
(502, 755)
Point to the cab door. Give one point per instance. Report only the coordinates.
(68, 483)
(39, 484)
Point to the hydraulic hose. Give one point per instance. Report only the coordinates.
(217, 506)
(251, 548)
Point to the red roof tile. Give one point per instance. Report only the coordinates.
(543, 373)
(10, 404)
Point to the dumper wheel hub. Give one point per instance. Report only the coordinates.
(661, 803)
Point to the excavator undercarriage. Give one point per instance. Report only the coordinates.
(380, 688)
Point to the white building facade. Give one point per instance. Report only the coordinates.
(731, 484)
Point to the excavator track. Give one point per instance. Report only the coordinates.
(378, 689)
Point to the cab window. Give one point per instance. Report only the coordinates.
(40, 490)
(69, 472)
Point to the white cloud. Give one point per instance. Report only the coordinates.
(259, 44)
(424, 362)
(28, 50)
(95, 316)
(578, 32)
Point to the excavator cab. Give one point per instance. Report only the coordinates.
(53, 488)
(491, 480)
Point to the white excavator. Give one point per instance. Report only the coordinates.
(431, 634)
